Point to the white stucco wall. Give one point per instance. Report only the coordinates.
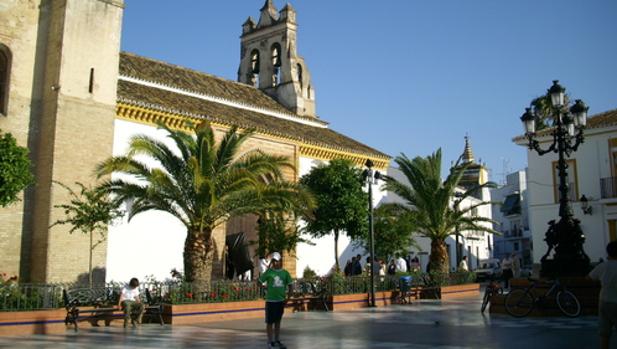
(153, 242)
(592, 163)
(320, 257)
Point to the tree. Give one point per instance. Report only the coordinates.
(341, 205)
(200, 182)
(393, 230)
(15, 173)
(277, 227)
(277, 232)
(543, 109)
(435, 210)
(89, 212)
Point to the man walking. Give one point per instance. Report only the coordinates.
(277, 281)
(606, 273)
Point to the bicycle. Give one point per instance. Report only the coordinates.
(492, 288)
(521, 302)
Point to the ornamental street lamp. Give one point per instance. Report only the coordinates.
(565, 236)
(371, 177)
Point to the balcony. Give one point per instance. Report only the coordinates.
(608, 187)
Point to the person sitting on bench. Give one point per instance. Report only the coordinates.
(131, 303)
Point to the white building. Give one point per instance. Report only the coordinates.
(274, 96)
(476, 245)
(592, 172)
(510, 212)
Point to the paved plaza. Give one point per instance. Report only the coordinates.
(427, 324)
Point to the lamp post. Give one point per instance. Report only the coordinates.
(371, 177)
(565, 236)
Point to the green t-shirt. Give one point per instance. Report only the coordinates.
(277, 281)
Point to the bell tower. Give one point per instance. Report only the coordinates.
(269, 60)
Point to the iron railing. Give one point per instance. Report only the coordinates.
(24, 297)
(16, 297)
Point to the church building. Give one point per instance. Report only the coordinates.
(71, 97)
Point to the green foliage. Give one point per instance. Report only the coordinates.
(16, 297)
(435, 210)
(341, 205)
(393, 230)
(90, 210)
(220, 292)
(278, 232)
(309, 273)
(544, 111)
(201, 182)
(15, 174)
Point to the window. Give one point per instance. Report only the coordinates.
(5, 68)
(253, 75)
(612, 230)
(516, 246)
(91, 82)
(276, 64)
(572, 178)
(299, 68)
(255, 62)
(276, 55)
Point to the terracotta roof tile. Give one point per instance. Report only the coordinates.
(156, 98)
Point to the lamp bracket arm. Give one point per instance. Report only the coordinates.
(535, 145)
(579, 140)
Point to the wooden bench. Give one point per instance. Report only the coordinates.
(101, 303)
(306, 295)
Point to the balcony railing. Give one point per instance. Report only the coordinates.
(608, 187)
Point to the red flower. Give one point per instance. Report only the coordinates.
(212, 295)
(189, 295)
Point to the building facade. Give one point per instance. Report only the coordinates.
(74, 99)
(59, 79)
(591, 172)
(511, 216)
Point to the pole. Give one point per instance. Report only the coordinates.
(90, 262)
(565, 211)
(372, 240)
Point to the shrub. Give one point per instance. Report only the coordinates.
(309, 273)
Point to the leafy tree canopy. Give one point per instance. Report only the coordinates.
(341, 204)
(393, 231)
(15, 173)
(435, 208)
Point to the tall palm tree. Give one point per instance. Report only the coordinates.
(434, 208)
(200, 182)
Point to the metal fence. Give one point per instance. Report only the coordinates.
(15, 297)
(19, 297)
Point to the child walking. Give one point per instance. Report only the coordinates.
(278, 282)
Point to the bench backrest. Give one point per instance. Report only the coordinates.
(90, 296)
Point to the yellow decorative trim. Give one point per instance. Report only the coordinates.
(322, 153)
(175, 121)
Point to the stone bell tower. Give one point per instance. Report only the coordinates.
(270, 62)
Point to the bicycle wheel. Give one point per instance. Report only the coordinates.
(519, 303)
(568, 303)
(487, 297)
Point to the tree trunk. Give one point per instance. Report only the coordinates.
(198, 257)
(336, 265)
(439, 257)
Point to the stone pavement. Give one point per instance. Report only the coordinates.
(428, 324)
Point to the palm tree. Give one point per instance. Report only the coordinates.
(434, 208)
(199, 182)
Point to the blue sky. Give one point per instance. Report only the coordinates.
(407, 75)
